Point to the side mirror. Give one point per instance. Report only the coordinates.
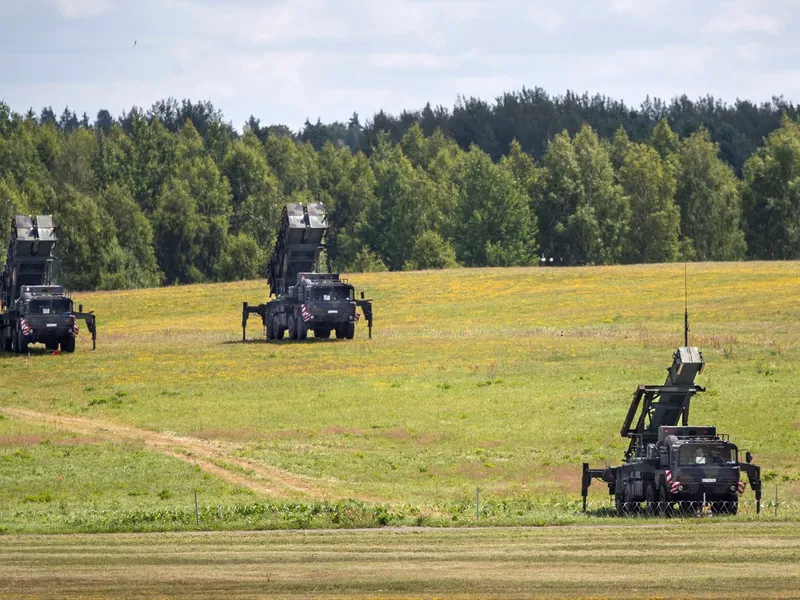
(748, 457)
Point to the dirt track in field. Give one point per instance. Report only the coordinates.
(212, 457)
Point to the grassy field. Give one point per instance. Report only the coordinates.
(722, 561)
(500, 379)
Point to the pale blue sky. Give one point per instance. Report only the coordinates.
(288, 61)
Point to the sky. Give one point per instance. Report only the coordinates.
(288, 61)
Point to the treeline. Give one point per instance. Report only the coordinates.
(176, 195)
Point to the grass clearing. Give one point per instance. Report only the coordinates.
(722, 561)
(501, 379)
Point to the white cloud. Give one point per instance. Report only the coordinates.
(636, 8)
(744, 17)
(75, 9)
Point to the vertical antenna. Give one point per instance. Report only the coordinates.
(686, 306)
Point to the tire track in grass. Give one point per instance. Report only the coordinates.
(212, 457)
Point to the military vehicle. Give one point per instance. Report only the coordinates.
(32, 309)
(305, 299)
(671, 467)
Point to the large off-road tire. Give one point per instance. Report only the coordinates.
(631, 506)
(68, 344)
(22, 344)
(302, 328)
(277, 330)
(350, 330)
(619, 503)
(651, 500)
(14, 348)
(340, 332)
(728, 506)
(292, 328)
(664, 506)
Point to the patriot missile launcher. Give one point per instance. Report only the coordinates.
(669, 465)
(304, 298)
(33, 310)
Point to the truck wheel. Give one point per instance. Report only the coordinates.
(22, 344)
(731, 506)
(631, 507)
(302, 328)
(277, 330)
(292, 330)
(664, 508)
(350, 331)
(650, 499)
(68, 344)
(619, 503)
(14, 341)
(339, 332)
(727, 506)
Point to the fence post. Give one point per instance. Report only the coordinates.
(776, 499)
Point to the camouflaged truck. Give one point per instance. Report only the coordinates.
(672, 468)
(305, 299)
(32, 309)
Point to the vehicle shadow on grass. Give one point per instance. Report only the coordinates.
(602, 511)
(284, 342)
(32, 352)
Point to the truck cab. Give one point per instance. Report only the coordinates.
(697, 463)
(45, 317)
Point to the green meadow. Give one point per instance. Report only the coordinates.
(502, 380)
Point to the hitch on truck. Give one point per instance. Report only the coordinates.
(669, 465)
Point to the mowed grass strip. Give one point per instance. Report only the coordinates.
(726, 560)
(502, 379)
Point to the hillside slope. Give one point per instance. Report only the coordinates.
(502, 379)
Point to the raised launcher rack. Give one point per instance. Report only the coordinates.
(30, 256)
(663, 404)
(297, 246)
(28, 273)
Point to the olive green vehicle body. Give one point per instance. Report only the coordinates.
(669, 465)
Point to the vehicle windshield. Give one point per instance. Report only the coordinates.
(330, 293)
(706, 454)
(51, 306)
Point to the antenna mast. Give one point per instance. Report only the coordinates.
(686, 306)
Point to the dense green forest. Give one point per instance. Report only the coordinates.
(175, 194)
